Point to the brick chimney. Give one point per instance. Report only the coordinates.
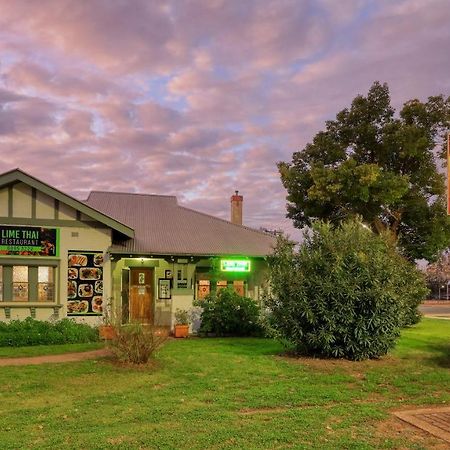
(236, 208)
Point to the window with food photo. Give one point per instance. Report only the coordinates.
(85, 283)
(27, 283)
(164, 292)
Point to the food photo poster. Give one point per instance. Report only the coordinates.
(85, 283)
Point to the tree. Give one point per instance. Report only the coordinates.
(346, 292)
(438, 277)
(439, 272)
(369, 162)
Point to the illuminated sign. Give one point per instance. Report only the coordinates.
(234, 265)
(28, 241)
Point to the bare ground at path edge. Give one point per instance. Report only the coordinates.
(48, 359)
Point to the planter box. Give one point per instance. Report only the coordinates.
(181, 331)
(107, 332)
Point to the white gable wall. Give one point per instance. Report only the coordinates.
(4, 202)
(22, 200)
(34, 208)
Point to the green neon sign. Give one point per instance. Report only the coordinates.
(234, 265)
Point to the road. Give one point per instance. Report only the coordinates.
(436, 310)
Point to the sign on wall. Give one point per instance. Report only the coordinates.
(164, 292)
(234, 265)
(29, 241)
(85, 283)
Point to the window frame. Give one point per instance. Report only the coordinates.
(7, 290)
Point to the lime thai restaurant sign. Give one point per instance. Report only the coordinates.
(29, 241)
(234, 265)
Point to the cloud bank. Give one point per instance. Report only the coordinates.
(199, 98)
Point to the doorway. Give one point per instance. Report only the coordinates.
(141, 295)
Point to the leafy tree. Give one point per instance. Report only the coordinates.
(383, 167)
(439, 271)
(438, 276)
(346, 292)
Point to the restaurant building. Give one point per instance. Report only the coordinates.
(144, 254)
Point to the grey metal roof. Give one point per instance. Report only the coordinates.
(163, 227)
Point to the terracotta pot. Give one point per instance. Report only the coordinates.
(107, 332)
(181, 331)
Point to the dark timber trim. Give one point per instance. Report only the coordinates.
(10, 201)
(33, 202)
(56, 209)
(52, 222)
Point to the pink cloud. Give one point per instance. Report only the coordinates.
(199, 98)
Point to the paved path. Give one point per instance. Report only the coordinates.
(45, 359)
(435, 421)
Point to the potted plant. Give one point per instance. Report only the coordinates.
(182, 321)
(107, 330)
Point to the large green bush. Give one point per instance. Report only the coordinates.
(345, 292)
(225, 313)
(19, 333)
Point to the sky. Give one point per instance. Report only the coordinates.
(200, 98)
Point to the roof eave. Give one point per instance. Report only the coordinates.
(18, 175)
(136, 254)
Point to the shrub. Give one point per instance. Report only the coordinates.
(135, 343)
(345, 293)
(227, 313)
(182, 317)
(18, 333)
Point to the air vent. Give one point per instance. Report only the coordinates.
(75, 234)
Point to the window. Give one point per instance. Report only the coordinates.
(20, 283)
(221, 284)
(46, 284)
(203, 288)
(27, 283)
(239, 287)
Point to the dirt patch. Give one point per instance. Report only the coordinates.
(371, 398)
(48, 359)
(152, 364)
(252, 411)
(325, 365)
(281, 409)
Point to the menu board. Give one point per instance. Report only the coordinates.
(85, 283)
(28, 241)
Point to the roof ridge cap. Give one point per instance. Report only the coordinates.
(130, 193)
(226, 221)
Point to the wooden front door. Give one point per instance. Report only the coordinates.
(141, 295)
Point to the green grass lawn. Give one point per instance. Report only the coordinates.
(39, 350)
(228, 393)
